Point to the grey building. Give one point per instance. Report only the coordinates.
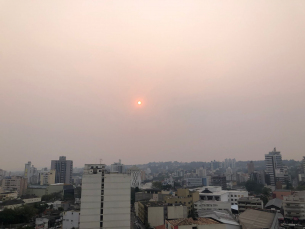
(64, 169)
(274, 167)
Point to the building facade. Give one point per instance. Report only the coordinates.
(135, 174)
(63, 170)
(249, 202)
(294, 206)
(105, 201)
(212, 205)
(15, 183)
(274, 167)
(70, 219)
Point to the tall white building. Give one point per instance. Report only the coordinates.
(105, 201)
(274, 167)
(135, 174)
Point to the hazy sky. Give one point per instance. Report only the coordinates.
(217, 79)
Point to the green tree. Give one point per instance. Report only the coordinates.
(157, 185)
(254, 187)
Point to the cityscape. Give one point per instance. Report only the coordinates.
(152, 114)
(215, 194)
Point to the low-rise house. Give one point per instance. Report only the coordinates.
(223, 216)
(249, 202)
(41, 223)
(70, 219)
(251, 219)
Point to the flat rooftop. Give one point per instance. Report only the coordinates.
(191, 221)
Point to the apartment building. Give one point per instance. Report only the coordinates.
(47, 177)
(15, 183)
(294, 206)
(105, 201)
(249, 202)
(63, 170)
(185, 197)
(70, 220)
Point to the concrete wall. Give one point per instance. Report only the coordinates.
(91, 201)
(117, 201)
(156, 216)
(176, 212)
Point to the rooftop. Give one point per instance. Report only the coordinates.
(223, 216)
(191, 221)
(274, 202)
(11, 202)
(256, 219)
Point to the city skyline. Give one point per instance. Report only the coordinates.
(215, 81)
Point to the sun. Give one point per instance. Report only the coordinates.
(139, 102)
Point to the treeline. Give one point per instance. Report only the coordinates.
(21, 214)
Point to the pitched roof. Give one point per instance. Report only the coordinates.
(223, 216)
(191, 221)
(275, 202)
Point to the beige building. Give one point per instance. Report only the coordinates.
(154, 213)
(31, 199)
(48, 177)
(15, 183)
(294, 206)
(185, 197)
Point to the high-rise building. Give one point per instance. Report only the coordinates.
(31, 173)
(47, 177)
(250, 167)
(105, 201)
(2, 174)
(63, 170)
(274, 167)
(135, 174)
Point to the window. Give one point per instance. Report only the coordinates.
(101, 224)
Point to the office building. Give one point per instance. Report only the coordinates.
(249, 202)
(105, 201)
(274, 167)
(294, 206)
(63, 170)
(194, 182)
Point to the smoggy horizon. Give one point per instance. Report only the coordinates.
(216, 80)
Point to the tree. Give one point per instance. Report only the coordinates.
(254, 187)
(157, 185)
